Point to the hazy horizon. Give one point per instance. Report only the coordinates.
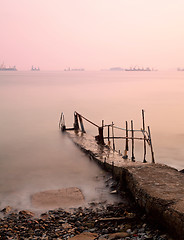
(93, 35)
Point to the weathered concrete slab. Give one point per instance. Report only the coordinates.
(158, 188)
(61, 198)
(88, 144)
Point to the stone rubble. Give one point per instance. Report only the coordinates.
(96, 222)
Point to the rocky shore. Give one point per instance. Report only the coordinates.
(98, 221)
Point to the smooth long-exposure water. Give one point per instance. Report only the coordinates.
(35, 156)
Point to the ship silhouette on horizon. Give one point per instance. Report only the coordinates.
(35, 68)
(4, 68)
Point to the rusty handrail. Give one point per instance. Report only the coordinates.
(78, 118)
(87, 119)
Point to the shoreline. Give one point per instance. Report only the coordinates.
(114, 221)
(94, 220)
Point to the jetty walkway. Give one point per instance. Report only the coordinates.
(157, 188)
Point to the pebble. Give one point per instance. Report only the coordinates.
(99, 222)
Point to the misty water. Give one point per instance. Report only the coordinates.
(35, 156)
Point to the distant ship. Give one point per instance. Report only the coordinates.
(74, 69)
(4, 68)
(180, 69)
(35, 69)
(138, 69)
(116, 69)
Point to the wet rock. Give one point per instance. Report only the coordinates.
(58, 198)
(44, 216)
(97, 222)
(66, 226)
(26, 213)
(118, 235)
(114, 192)
(105, 231)
(7, 209)
(85, 236)
(89, 224)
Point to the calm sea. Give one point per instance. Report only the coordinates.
(35, 156)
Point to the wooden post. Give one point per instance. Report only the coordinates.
(76, 123)
(108, 135)
(132, 130)
(143, 124)
(150, 141)
(81, 123)
(126, 143)
(100, 136)
(113, 136)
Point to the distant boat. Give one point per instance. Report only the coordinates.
(35, 68)
(4, 68)
(180, 69)
(138, 69)
(74, 69)
(116, 69)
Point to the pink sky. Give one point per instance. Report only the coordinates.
(93, 34)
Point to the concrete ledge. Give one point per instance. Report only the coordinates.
(66, 197)
(157, 188)
(160, 191)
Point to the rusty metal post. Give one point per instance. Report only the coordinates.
(63, 128)
(143, 123)
(126, 143)
(81, 123)
(108, 135)
(113, 136)
(61, 117)
(150, 142)
(62, 123)
(132, 130)
(76, 123)
(100, 136)
(126, 136)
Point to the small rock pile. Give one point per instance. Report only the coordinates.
(97, 222)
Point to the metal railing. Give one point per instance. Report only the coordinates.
(100, 138)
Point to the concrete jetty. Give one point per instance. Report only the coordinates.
(157, 188)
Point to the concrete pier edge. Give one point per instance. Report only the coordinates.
(157, 188)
